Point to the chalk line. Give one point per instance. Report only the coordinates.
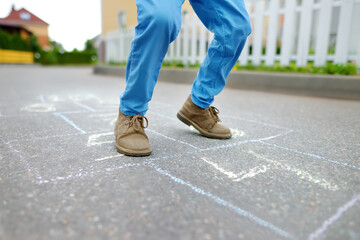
(300, 173)
(25, 162)
(173, 139)
(224, 203)
(71, 123)
(252, 172)
(82, 173)
(229, 174)
(41, 98)
(39, 108)
(110, 157)
(311, 155)
(257, 122)
(320, 231)
(93, 139)
(84, 106)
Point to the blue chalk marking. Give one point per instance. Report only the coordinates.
(226, 204)
(311, 155)
(41, 97)
(69, 122)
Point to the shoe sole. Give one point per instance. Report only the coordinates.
(130, 153)
(197, 127)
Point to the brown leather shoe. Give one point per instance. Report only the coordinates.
(130, 137)
(204, 120)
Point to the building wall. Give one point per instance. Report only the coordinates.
(111, 8)
(42, 33)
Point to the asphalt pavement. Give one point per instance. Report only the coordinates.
(291, 170)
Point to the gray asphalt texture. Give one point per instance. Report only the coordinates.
(291, 170)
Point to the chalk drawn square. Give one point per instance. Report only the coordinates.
(269, 182)
(33, 126)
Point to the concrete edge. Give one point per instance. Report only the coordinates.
(330, 86)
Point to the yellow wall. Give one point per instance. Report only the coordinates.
(111, 8)
(12, 56)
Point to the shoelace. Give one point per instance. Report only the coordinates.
(141, 119)
(214, 113)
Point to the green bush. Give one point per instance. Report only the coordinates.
(13, 42)
(74, 57)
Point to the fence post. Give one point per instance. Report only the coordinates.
(343, 33)
(186, 40)
(287, 38)
(305, 31)
(271, 43)
(121, 45)
(258, 32)
(323, 32)
(193, 48)
(202, 44)
(244, 56)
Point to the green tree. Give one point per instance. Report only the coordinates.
(89, 46)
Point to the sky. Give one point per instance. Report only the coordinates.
(71, 22)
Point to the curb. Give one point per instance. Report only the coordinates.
(330, 86)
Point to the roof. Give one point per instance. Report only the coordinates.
(22, 16)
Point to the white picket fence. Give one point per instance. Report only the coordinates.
(304, 32)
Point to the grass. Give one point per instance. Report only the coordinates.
(329, 68)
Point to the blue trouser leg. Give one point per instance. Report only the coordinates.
(159, 22)
(229, 22)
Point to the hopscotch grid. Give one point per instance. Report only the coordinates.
(151, 161)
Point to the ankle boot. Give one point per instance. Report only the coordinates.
(204, 120)
(130, 136)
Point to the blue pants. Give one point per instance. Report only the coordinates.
(159, 22)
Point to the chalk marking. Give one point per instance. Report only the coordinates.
(84, 106)
(252, 172)
(257, 122)
(300, 173)
(236, 133)
(39, 107)
(26, 164)
(110, 157)
(82, 173)
(320, 231)
(229, 174)
(149, 161)
(173, 139)
(71, 123)
(93, 139)
(224, 203)
(41, 98)
(311, 155)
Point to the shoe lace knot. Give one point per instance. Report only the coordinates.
(214, 113)
(142, 120)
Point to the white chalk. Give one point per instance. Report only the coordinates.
(300, 173)
(229, 174)
(39, 107)
(93, 139)
(320, 231)
(311, 155)
(84, 106)
(110, 157)
(225, 203)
